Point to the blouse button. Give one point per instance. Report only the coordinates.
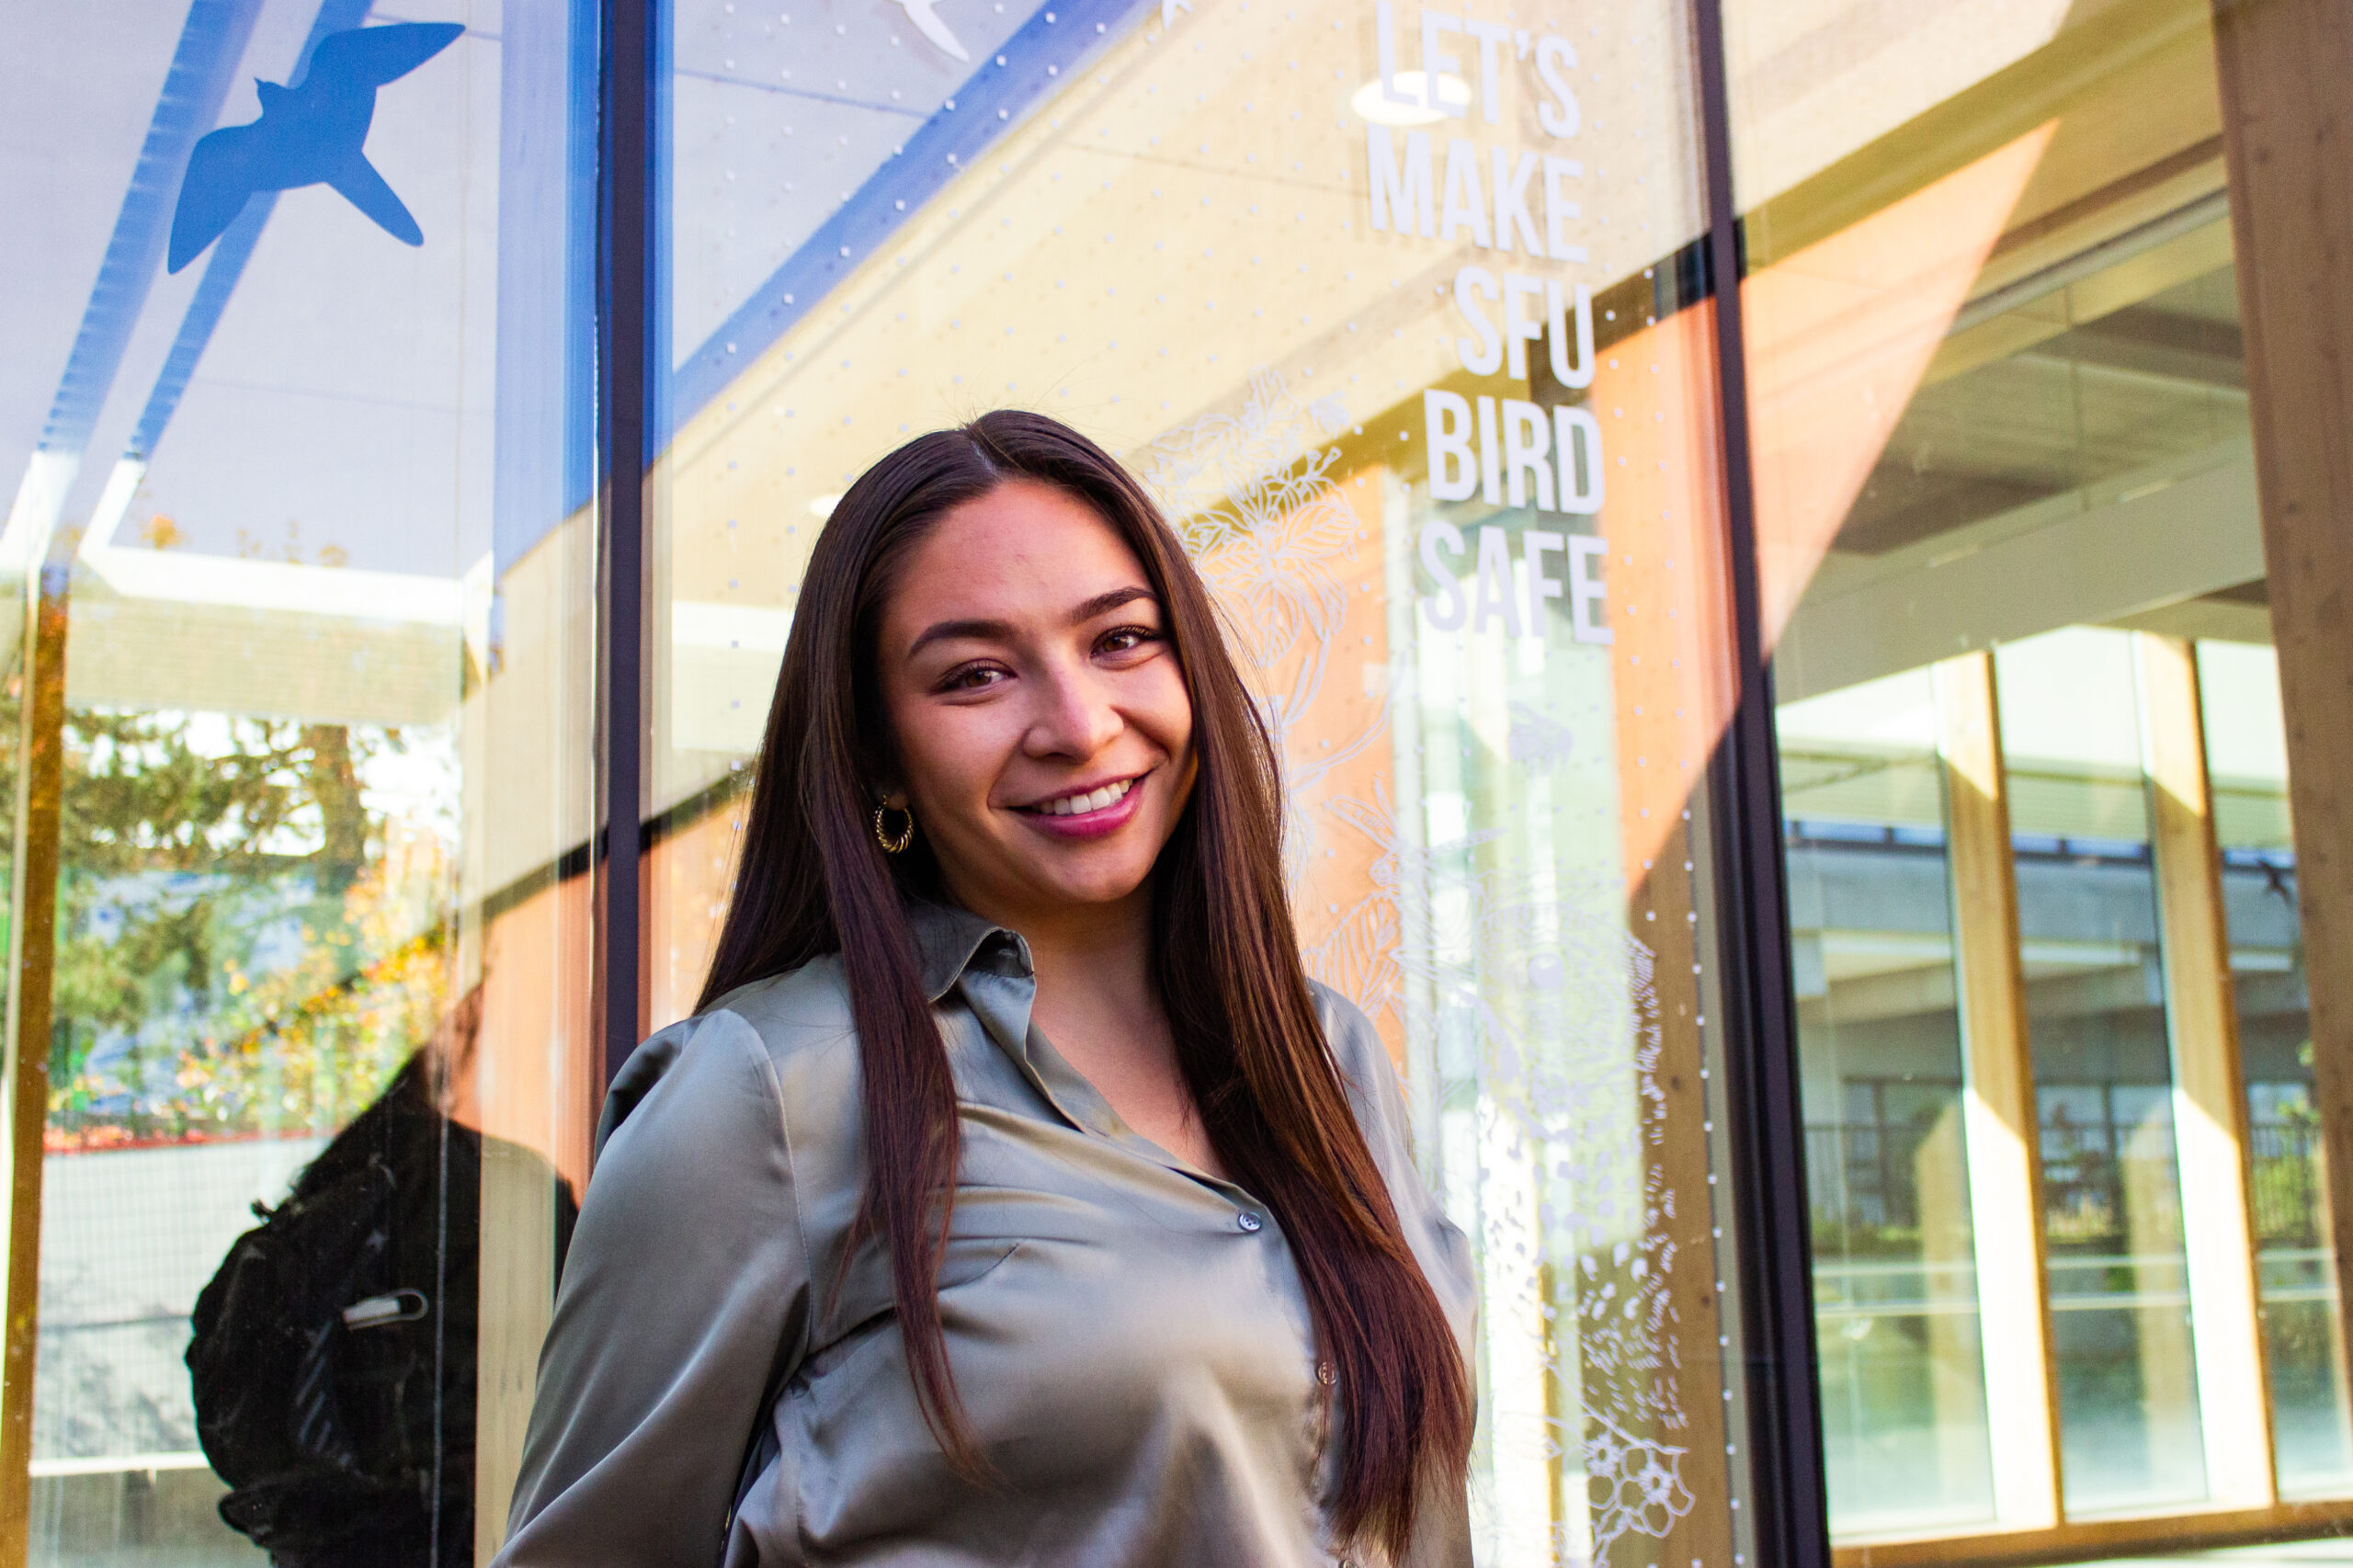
(1249, 1223)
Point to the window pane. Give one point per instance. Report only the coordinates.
(1168, 225)
(2002, 442)
(1879, 1040)
(2303, 1333)
(2095, 997)
(301, 495)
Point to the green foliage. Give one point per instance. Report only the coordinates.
(243, 946)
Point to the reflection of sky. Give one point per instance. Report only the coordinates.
(2246, 734)
(762, 158)
(80, 83)
(342, 409)
(416, 785)
(2067, 702)
(803, 148)
(344, 401)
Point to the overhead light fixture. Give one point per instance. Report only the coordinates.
(1371, 103)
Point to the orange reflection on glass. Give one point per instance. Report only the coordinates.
(1653, 393)
(1840, 335)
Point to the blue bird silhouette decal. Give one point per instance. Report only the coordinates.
(313, 135)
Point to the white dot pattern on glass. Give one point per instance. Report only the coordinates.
(1272, 268)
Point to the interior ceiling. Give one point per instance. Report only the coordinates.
(2122, 391)
(2102, 334)
(2078, 449)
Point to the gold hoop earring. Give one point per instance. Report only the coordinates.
(906, 834)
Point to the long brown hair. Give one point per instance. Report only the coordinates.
(811, 881)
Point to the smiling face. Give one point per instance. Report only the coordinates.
(1045, 737)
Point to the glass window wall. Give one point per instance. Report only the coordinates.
(297, 720)
(2295, 1260)
(2090, 957)
(1423, 383)
(2012, 544)
(1404, 316)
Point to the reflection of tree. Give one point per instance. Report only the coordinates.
(2082, 1182)
(1865, 1174)
(2287, 1178)
(243, 945)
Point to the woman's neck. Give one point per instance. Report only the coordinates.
(1095, 947)
(1098, 1004)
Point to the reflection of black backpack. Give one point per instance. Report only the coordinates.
(332, 1360)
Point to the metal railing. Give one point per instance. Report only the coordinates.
(1865, 1196)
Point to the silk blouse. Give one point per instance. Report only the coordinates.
(725, 1380)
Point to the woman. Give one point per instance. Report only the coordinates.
(1012, 1197)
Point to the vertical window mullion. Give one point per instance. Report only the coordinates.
(1770, 1194)
(624, 178)
(2210, 1117)
(2001, 1125)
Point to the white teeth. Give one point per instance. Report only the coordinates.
(1093, 801)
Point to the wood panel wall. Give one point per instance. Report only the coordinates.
(2288, 137)
(33, 951)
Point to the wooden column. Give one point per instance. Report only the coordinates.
(2287, 139)
(1997, 1096)
(2208, 1087)
(532, 1069)
(23, 1081)
(516, 1304)
(1677, 1129)
(1948, 1255)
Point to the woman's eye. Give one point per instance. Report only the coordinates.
(1127, 639)
(972, 677)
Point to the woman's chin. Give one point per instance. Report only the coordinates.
(1036, 866)
(1059, 892)
(1103, 893)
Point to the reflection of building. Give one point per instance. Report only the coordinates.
(366, 633)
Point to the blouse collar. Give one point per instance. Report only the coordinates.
(955, 944)
(949, 941)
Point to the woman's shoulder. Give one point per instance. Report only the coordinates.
(1377, 1093)
(1355, 1044)
(1363, 1059)
(797, 1012)
(793, 1034)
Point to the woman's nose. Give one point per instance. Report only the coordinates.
(1077, 720)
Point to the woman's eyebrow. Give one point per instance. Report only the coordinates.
(944, 631)
(1103, 603)
(1003, 631)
